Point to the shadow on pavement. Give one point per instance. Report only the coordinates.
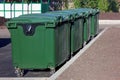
(4, 41)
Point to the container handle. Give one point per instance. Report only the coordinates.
(12, 25)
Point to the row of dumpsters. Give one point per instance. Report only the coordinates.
(47, 40)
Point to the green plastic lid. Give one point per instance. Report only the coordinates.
(92, 11)
(85, 12)
(66, 16)
(68, 12)
(54, 20)
(48, 15)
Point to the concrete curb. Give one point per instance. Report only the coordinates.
(28, 78)
(110, 22)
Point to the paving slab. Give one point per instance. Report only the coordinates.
(100, 62)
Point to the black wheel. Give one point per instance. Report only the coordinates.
(96, 34)
(92, 37)
(84, 44)
(19, 72)
(52, 71)
(69, 57)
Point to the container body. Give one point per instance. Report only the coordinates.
(44, 47)
(86, 23)
(76, 28)
(76, 34)
(95, 24)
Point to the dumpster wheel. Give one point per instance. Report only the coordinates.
(52, 71)
(92, 37)
(84, 44)
(19, 72)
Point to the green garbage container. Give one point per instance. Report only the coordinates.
(95, 22)
(76, 33)
(76, 21)
(67, 16)
(39, 42)
(75, 36)
(86, 24)
(91, 21)
(49, 14)
(76, 30)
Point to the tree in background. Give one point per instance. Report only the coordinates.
(103, 5)
(92, 3)
(77, 3)
(108, 5)
(114, 5)
(65, 3)
(85, 3)
(80, 3)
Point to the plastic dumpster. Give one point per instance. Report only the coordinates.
(39, 42)
(86, 24)
(76, 30)
(50, 14)
(76, 21)
(95, 22)
(75, 27)
(66, 16)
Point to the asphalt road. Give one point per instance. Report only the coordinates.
(7, 69)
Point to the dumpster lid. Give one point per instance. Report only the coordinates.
(65, 16)
(54, 13)
(80, 13)
(97, 11)
(85, 11)
(45, 15)
(92, 11)
(36, 20)
(69, 12)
